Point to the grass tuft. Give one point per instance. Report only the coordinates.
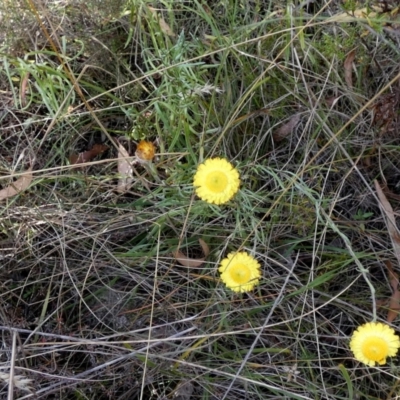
(91, 290)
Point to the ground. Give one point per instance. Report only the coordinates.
(110, 286)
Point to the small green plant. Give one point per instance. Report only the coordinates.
(362, 215)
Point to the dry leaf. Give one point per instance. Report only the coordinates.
(332, 100)
(124, 169)
(287, 128)
(390, 219)
(24, 89)
(394, 307)
(363, 13)
(87, 156)
(390, 195)
(386, 116)
(192, 262)
(348, 68)
(394, 304)
(19, 185)
(165, 28)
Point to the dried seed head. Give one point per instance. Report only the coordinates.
(145, 151)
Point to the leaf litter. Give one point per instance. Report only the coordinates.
(348, 68)
(124, 169)
(165, 28)
(18, 186)
(287, 128)
(192, 262)
(88, 155)
(390, 219)
(394, 303)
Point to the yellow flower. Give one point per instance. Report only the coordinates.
(240, 272)
(216, 181)
(372, 342)
(145, 151)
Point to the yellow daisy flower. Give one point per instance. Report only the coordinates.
(240, 272)
(372, 342)
(216, 181)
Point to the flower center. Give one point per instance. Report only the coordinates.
(375, 348)
(240, 274)
(216, 181)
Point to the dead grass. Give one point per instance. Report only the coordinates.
(93, 303)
